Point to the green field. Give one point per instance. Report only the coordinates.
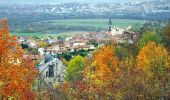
(101, 23)
(64, 27)
(41, 35)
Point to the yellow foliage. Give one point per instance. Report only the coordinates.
(104, 67)
(153, 56)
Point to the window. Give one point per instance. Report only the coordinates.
(47, 74)
(60, 78)
(51, 71)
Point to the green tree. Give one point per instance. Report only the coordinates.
(166, 35)
(151, 26)
(67, 56)
(24, 46)
(75, 66)
(121, 52)
(149, 36)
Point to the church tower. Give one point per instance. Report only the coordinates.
(110, 25)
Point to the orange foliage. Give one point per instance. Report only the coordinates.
(106, 63)
(153, 64)
(103, 68)
(16, 73)
(152, 55)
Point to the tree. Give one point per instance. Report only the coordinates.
(166, 35)
(153, 62)
(75, 68)
(16, 73)
(67, 56)
(122, 52)
(101, 73)
(24, 46)
(151, 26)
(105, 61)
(167, 30)
(149, 37)
(42, 44)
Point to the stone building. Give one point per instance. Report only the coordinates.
(52, 70)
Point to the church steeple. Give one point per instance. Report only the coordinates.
(110, 24)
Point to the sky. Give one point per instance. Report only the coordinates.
(65, 1)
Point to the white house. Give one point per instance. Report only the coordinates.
(41, 51)
(117, 31)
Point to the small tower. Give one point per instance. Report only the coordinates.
(110, 25)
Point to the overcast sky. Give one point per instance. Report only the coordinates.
(65, 1)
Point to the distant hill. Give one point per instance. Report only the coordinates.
(65, 1)
(31, 15)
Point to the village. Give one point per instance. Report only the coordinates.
(87, 41)
(50, 52)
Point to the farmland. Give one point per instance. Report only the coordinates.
(99, 23)
(69, 26)
(42, 35)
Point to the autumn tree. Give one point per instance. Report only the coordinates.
(101, 73)
(153, 62)
(107, 77)
(16, 73)
(42, 44)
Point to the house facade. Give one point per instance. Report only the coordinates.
(52, 70)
